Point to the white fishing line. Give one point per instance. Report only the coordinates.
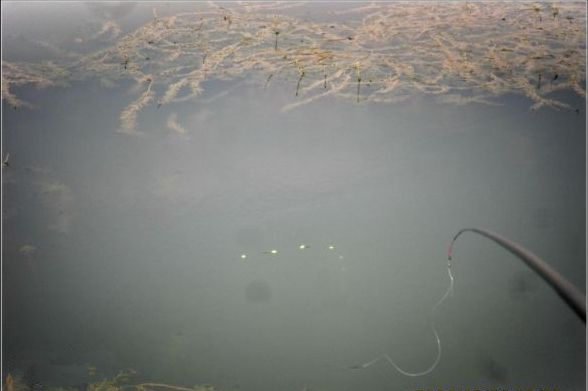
(431, 368)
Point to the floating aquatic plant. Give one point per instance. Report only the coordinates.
(358, 72)
(301, 73)
(458, 53)
(276, 45)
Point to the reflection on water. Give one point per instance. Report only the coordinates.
(259, 196)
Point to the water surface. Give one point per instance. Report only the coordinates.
(159, 228)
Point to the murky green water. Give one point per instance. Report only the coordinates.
(258, 211)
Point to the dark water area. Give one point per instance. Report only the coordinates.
(231, 243)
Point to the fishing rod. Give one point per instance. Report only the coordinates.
(565, 289)
(573, 297)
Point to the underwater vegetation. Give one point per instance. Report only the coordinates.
(384, 53)
(122, 381)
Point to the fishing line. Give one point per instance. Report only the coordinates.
(566, 290)
(387, 358)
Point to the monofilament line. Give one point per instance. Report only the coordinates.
(432, 367)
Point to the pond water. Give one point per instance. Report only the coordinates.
(260, 196)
